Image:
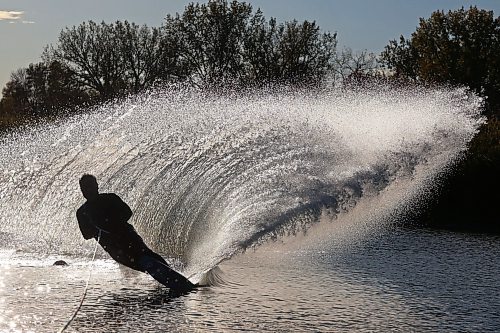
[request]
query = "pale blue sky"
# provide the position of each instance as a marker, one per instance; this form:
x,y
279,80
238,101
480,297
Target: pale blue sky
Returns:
x,y
26,26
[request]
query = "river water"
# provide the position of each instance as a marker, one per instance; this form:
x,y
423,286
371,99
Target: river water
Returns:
x,y
396,281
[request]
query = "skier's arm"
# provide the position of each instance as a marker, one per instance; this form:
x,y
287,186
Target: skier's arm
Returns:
x,y
87,229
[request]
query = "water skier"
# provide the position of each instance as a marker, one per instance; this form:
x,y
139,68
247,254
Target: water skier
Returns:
x,y
104,217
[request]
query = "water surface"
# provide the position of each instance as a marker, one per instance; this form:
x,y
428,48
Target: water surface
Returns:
x,y
397,281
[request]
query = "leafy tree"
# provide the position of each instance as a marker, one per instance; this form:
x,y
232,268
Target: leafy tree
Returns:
x,y
458,47
16,93
305,54
289,52
92,52
41,90
110,59
63,89
220,42
401,57
260,49
146,54
210,39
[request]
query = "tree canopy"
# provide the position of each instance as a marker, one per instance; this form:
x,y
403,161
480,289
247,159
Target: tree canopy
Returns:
x,y
110,58
42,87
209,44
458,47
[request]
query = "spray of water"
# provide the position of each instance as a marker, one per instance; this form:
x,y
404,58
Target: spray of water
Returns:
x,y
209,175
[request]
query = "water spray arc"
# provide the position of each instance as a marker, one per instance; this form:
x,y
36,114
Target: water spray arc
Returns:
x,y
210,175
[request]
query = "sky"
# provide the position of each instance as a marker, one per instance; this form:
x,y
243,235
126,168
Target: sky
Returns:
x,y
27,26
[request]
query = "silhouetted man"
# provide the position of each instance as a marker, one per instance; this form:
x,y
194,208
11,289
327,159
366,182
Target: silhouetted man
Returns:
x,y
104,216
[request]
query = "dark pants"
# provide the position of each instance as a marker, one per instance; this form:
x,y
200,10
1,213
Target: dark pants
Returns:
x,y
128,249
164,274
131,251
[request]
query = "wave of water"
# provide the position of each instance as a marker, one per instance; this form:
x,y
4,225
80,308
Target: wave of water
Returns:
x,y
208,175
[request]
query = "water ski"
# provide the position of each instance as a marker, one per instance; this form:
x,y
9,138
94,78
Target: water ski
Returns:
x,y
166,275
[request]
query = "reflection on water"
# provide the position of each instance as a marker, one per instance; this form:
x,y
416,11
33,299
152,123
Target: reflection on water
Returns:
x,y
419,281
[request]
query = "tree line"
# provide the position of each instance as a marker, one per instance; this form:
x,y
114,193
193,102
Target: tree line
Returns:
x,y
216,43
460,47
221,43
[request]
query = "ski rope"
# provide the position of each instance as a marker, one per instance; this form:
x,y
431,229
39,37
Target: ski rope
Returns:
x,y
86,286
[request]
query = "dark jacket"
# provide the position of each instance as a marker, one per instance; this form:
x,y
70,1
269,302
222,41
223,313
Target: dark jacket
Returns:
x,y
110,214
106,212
